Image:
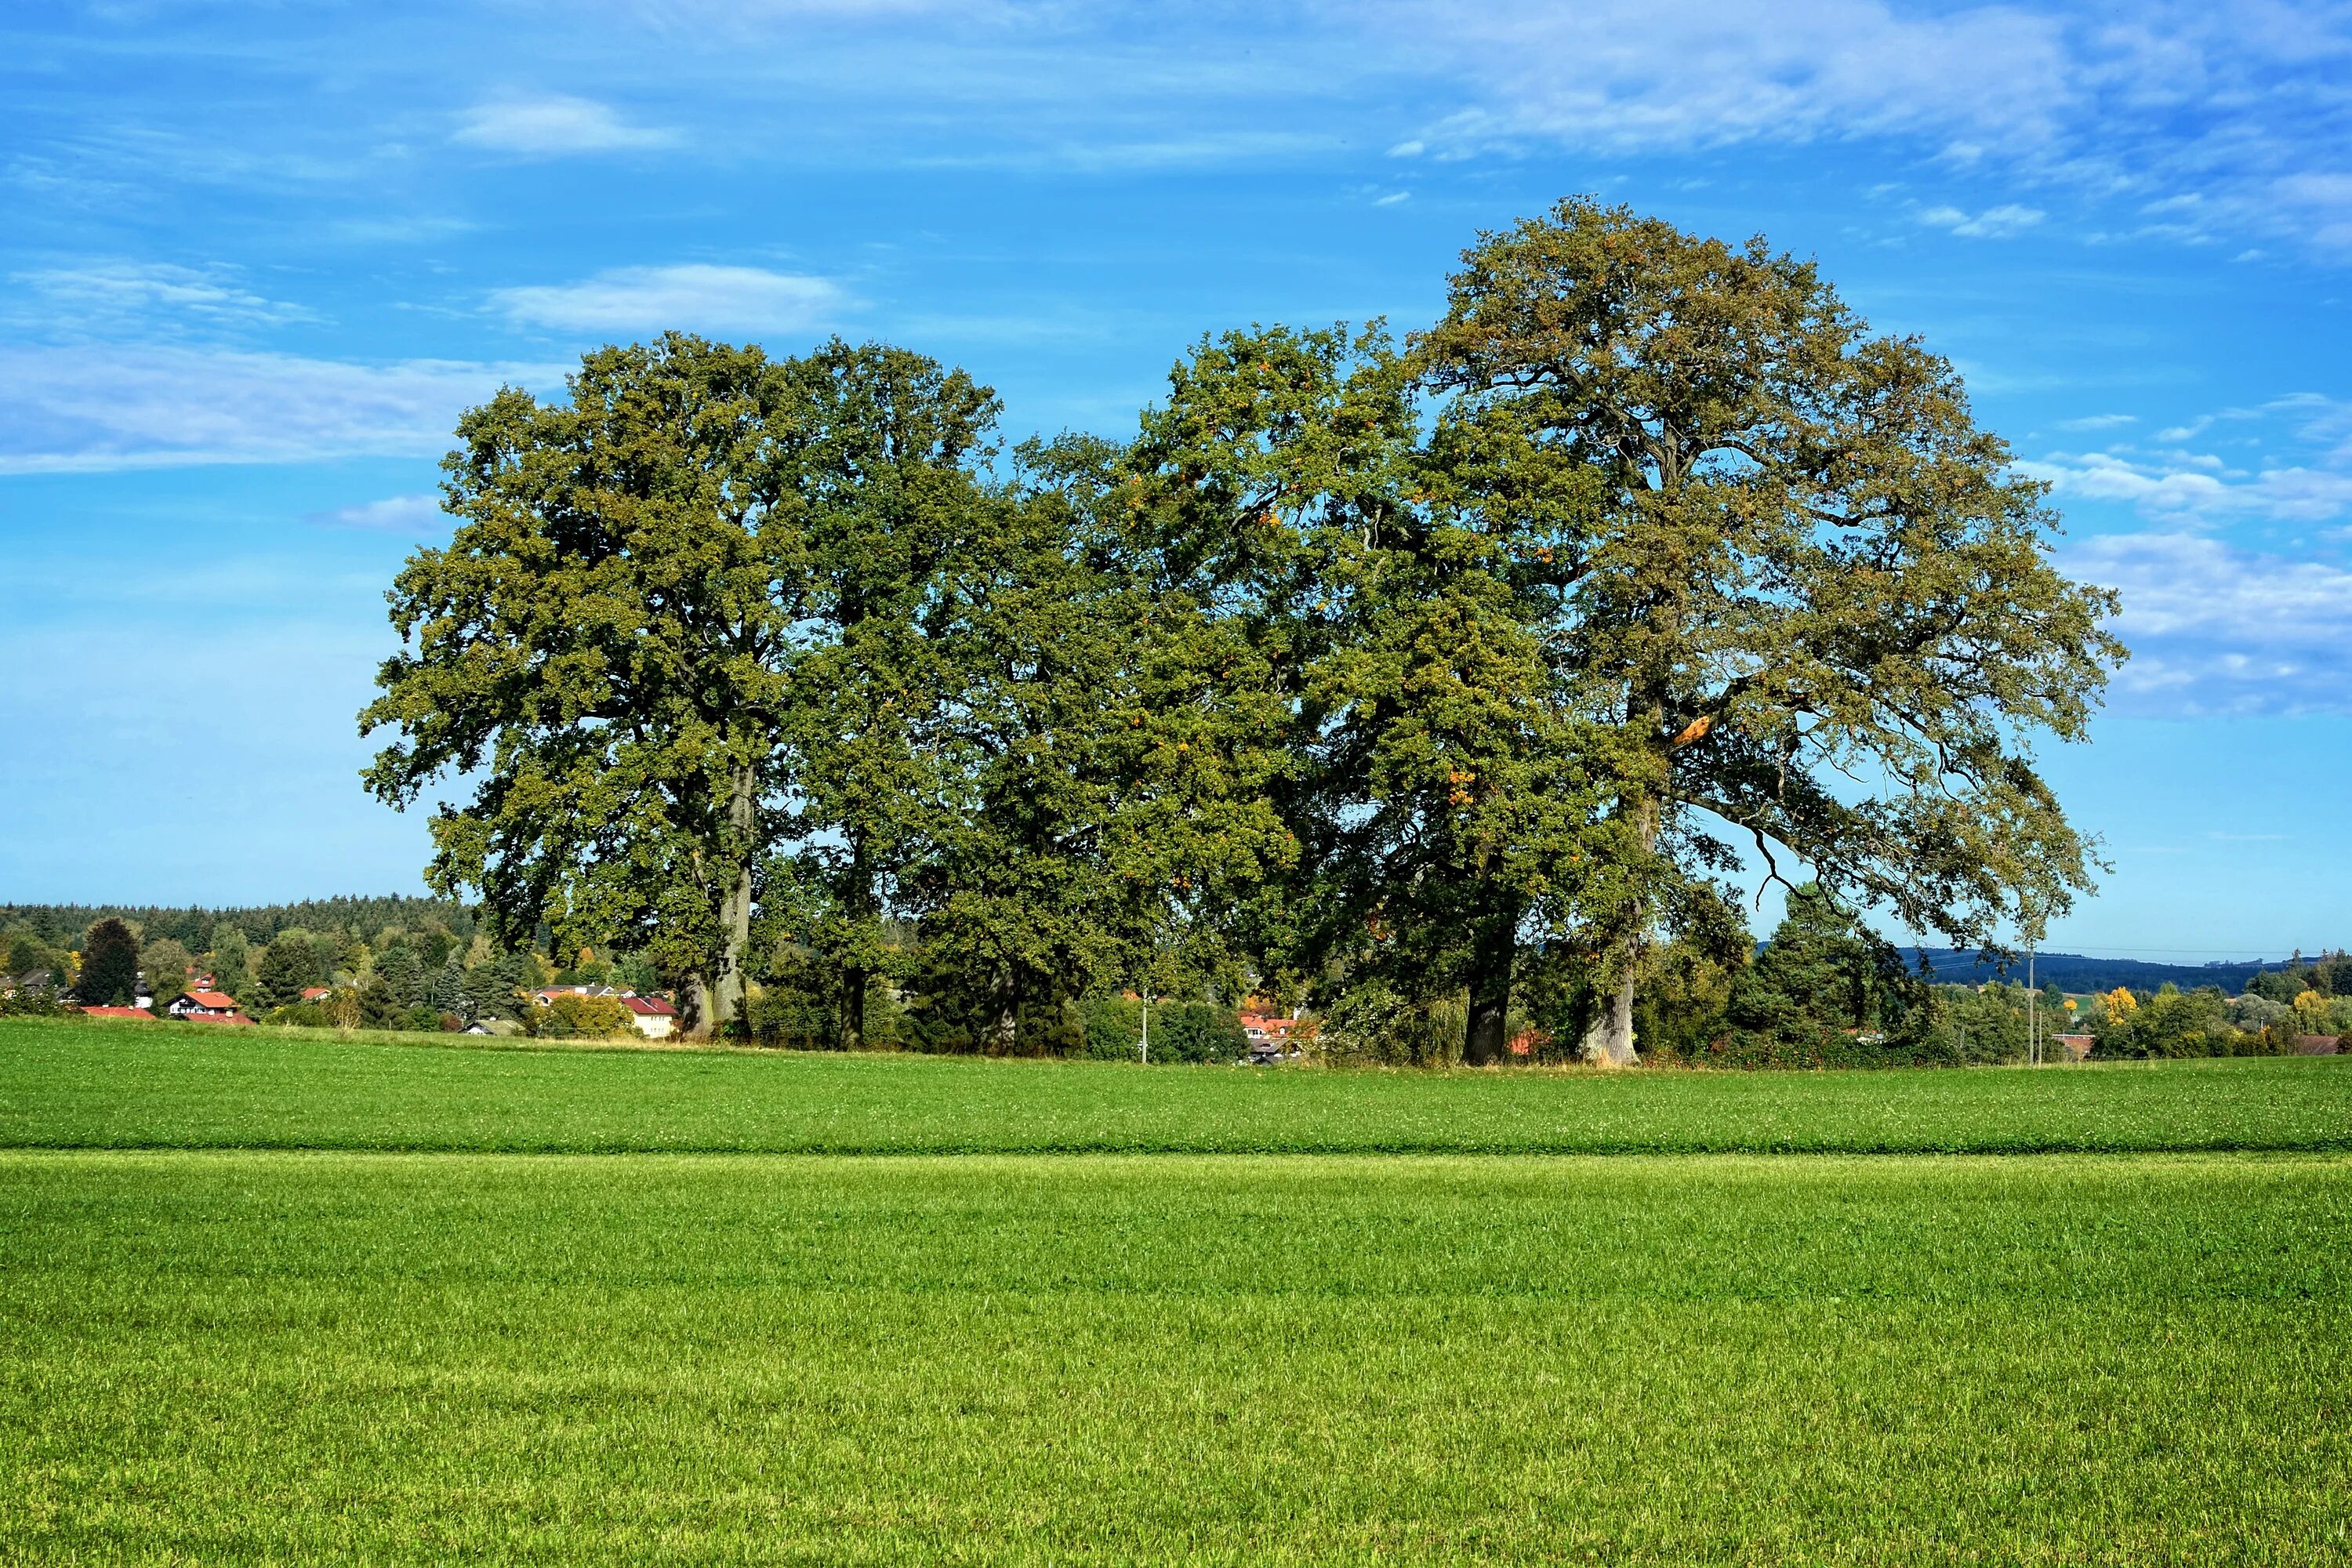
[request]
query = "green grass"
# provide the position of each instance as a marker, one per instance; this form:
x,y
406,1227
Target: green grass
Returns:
x,y
239,1324
69,1085
234,1357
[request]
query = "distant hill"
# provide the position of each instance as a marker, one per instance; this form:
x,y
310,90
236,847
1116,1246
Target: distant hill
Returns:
x,y
363,914
2074,971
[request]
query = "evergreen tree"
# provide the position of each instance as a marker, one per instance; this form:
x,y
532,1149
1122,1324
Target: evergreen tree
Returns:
x,y
229,958
288,966
400,975
109,965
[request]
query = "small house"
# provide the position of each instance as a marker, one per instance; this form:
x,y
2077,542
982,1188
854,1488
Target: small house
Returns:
x,y
654,1014
207,1007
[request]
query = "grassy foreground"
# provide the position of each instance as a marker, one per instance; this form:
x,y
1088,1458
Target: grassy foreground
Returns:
x,y
154,1086
273,1299
224,1356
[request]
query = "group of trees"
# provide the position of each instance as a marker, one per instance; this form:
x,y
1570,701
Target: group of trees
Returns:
x,y
2279,1011
386,963
1459,672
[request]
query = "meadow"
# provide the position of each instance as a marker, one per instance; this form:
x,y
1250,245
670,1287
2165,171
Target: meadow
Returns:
x,y
285,1300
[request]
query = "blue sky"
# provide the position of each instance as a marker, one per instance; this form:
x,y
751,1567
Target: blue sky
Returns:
x,y
256,258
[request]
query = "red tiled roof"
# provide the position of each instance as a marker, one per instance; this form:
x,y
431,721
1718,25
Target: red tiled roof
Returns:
x,y
213,999
652,1007
312,993
120,1013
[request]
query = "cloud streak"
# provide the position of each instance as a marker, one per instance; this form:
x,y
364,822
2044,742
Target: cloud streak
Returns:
x,y
2287,461
692,297
2215,629
555,126
89,410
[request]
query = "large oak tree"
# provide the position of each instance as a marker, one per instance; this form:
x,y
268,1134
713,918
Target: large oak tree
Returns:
x,y
1806,589
651,627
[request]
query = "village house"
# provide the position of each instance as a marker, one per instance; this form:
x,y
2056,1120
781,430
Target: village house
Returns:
x,y
654,1015
207,1007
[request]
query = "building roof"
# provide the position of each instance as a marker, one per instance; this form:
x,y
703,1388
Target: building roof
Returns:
x,y
217,1001
651,1006
120,1013
312,993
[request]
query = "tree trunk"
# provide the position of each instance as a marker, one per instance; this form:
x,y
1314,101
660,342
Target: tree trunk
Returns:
x,y
854,981
1610,1042
1487,1042
694,1006
1008,1013
856,977
727,990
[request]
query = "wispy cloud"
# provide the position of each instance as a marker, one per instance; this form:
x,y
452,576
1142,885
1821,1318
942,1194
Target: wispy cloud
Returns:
x,y
2216,630
1649,75
2177,121
693,297
410,514
85,409
2285,461
555,126
1994,223
109,296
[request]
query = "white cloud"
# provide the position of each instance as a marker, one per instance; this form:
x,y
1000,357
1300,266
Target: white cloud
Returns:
x,y
111,295
2193,121
2099,422
1668,74
555,126
2288,461
692,298
1994,223
90,409
1392,198
2216,630
395,514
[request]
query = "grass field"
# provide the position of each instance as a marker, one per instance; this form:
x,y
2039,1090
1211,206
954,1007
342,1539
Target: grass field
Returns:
x,y
197,1086
278,1341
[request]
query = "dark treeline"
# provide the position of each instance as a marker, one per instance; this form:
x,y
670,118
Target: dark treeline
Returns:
x,y
194,927
2076,972
1440,684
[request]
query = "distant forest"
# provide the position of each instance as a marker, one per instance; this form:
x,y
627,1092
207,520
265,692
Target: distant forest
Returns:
x,y
366,918
2075,972
196,928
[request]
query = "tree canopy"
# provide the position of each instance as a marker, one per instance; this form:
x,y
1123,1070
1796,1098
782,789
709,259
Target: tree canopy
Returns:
x,y
1477,666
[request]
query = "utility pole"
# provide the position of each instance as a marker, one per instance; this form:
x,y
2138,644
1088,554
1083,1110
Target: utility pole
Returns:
x,y
2032,1013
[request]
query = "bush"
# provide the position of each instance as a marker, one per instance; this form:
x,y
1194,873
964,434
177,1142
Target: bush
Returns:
x,y
30,1002
1181,1032
577,1017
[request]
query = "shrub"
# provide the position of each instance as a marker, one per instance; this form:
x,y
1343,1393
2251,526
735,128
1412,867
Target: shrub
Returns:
x,y
579,1017
1181,1032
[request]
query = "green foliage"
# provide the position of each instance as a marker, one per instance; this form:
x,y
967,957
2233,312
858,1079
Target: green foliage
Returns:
x,y
571,1016
2177,1023
1181,1031
289,965
109,965
229,959
164,961
1786,558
